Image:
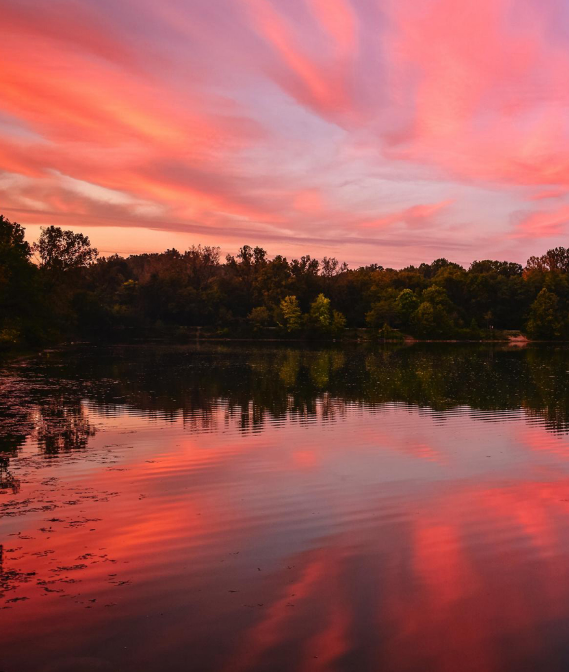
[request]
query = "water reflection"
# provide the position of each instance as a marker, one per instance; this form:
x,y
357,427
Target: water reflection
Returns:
x,y
8,482
59,427
255,509
267,384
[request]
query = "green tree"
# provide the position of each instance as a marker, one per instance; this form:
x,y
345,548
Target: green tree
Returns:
x,y
431,320
407,303
386,333
338,323
424,321
545,321
384,307
259,318
291,313
320,316
437,297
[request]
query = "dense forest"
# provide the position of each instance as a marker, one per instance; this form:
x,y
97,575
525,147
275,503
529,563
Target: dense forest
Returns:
x,y
60,289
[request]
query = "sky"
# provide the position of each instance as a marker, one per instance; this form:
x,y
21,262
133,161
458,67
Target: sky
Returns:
x,y
376,131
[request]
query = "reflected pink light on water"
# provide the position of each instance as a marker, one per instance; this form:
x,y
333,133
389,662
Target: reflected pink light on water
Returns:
x,y
364,539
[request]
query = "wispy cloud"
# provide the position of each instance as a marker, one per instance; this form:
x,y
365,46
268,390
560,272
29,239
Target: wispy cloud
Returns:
x,y
276,120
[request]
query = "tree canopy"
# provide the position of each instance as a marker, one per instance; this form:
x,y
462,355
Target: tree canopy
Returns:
x,y
61,250
71,292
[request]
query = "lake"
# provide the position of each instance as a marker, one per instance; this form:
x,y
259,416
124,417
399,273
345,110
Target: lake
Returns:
x,y
239,507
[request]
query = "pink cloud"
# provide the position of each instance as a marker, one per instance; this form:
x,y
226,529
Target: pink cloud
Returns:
x,y
309,201
278,120
413,217
319,85
480,75
338,18
547,194
543,224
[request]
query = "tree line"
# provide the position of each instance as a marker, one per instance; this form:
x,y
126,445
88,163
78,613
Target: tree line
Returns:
x,y
59,288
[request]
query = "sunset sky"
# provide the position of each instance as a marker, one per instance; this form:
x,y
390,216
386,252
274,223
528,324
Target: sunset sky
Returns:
x,y
387,131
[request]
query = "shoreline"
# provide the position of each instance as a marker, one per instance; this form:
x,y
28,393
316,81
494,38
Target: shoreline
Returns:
x,y
23,355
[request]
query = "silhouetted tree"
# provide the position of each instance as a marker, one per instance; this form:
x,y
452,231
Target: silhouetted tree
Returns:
x,y
61,250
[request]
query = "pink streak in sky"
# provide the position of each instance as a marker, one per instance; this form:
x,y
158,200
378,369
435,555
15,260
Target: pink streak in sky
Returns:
x,y
387,131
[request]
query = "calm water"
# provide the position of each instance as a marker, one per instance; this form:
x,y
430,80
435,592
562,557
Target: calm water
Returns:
x,y
272,509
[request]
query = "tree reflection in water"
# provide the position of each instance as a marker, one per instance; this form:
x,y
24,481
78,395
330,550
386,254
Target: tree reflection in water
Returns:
x,y
378,538
47,400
